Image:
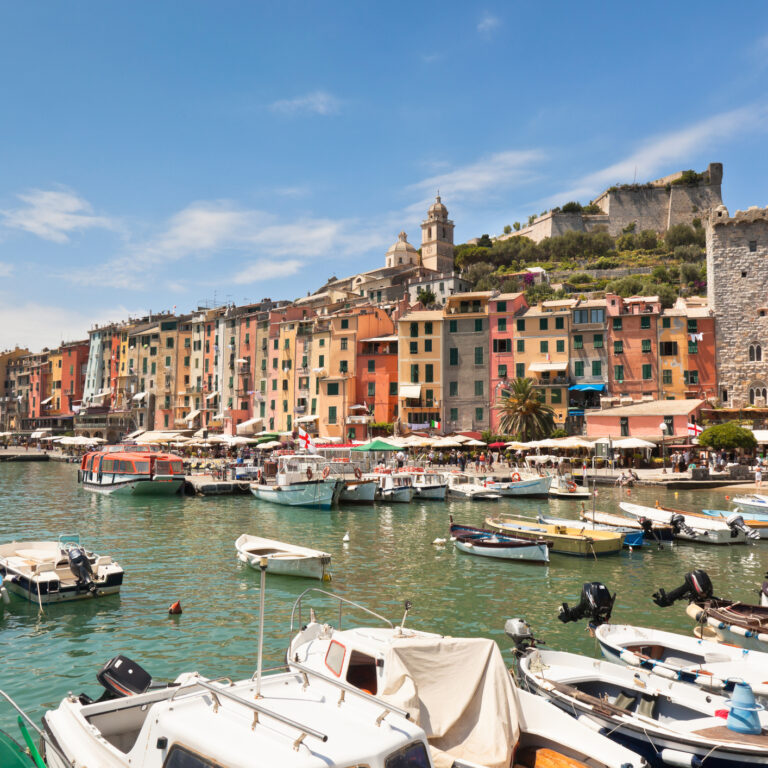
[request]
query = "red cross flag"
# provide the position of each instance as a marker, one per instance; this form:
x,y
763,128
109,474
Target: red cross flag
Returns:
x,y
305,440
694,429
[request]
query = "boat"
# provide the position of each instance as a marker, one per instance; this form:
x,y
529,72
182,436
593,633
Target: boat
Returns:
x,y
57,571
395,488
666,721
630,537
564,487
283,559
429,485
302,480
757,521
458,689
724,621
517,485
753,504
132,470
358,492
576,540
692,527
485,543
469,487
656,531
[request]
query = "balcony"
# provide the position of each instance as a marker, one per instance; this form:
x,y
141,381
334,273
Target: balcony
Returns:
x,y
555,381
420,402
364,419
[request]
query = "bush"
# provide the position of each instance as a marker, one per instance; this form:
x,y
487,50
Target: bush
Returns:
x,y
605,263
510,285
646,240
682,234
626,242
484,242
591,209
690,177
572,207
728,436
580,278
507,229
660,274
689,273
689,253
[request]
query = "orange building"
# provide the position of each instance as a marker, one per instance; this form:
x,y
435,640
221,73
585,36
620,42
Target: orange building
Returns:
x,y
377,377
74,363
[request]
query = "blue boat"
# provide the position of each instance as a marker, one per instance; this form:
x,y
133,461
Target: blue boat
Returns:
x,y
630,537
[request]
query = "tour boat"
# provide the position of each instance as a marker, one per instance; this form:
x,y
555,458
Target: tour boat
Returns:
x,y
303,480
132,471
358,492
57,571
565,488
533,485
282,559
753,503
630,537
470,487
656,531
396,488
485,543
458,689
429,485
690,526
575,539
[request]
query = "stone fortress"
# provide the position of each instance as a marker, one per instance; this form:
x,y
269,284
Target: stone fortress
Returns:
x,y
656,205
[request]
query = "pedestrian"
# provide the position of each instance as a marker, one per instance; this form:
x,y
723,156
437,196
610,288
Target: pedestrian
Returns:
x,y
400,457
758,476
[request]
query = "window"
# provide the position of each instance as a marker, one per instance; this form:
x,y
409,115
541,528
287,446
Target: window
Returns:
x,y
343,366
413,347
179,757
285,406
521,345
578,369
666,376
478,324
755,353
501,306
618,373
322,342
647,371
752,246
556,396
429,372
691,377
693,325
645,322
371,389
453,326
502,345
520,323
502,324
478,414
478,388
597,368
454,414
624,426
646,345
597,340
427,329
502,374
693,347
616,323
333,388
344,342
560,345
559,323
578,342
414,330
332,414
414,374
344,323
320,361
597,315
668,348
371,366
543,347
543,323
429,395
453,356
478,355
392,389
580,316
618,347
665,322
428,345
453,389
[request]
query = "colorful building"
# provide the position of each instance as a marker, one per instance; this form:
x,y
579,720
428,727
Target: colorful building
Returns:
x,y
652,420
377,377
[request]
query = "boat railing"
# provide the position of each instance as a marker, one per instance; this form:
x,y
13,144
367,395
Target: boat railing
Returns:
x,y
217,692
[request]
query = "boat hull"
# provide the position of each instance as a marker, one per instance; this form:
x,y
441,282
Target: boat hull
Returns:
x,y
579,545
716,626
706,530
397,495
314,494
282,559
358,492
159,486
630,537
535,487
434,492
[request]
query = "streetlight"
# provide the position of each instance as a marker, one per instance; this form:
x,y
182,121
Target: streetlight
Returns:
x,y
663,427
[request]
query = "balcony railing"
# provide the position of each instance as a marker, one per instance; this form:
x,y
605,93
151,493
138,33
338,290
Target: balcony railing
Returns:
x,y
551,382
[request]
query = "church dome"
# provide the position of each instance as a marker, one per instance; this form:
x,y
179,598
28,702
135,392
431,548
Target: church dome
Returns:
x,y
402,252
437,210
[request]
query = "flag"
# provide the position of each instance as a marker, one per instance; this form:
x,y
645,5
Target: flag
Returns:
x,y
694,429
434,424
306,442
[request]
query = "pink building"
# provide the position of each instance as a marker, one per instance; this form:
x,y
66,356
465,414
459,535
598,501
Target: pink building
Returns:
x,y
502,310
645,420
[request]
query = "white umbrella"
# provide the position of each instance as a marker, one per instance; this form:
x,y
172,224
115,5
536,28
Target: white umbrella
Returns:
x,y
517,445
633,442
269,446
447,442
460,438
474,443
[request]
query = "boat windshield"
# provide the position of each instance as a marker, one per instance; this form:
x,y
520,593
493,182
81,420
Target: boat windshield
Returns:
x,y
412,756
142,467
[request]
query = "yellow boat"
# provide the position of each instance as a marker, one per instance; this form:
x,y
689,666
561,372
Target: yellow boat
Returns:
x,y
578,540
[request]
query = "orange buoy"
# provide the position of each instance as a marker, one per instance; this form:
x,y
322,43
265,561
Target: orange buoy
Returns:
x,y
175,608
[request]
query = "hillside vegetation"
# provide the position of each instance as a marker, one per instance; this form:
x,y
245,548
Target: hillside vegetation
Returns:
x,y
669,266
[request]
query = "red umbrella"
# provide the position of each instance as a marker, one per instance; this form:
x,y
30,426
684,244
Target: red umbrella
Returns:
x,y
497,445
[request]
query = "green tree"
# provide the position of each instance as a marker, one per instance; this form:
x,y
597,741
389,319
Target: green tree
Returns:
x,y
682,234
484,241
507,229
426,297
689,253
728,436
689,273
571,207
522,412
516,226
646,240
625,242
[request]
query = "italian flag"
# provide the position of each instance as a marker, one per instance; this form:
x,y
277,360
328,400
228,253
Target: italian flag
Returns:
x,y
434,424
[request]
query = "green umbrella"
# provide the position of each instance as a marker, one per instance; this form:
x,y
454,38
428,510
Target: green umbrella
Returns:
x,y
376,445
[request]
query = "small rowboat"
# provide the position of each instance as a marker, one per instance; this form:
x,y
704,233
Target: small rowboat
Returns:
x,y
563,539
658,532
283,559
631,537
756,504
485,543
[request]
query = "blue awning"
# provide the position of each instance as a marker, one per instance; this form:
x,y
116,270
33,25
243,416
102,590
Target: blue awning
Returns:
x,y
587,387
575,412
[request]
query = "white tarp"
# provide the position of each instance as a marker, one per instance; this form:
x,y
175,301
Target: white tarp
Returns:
x,y
476,720
412,391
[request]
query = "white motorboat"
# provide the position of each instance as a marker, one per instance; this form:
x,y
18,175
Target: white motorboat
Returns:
x,y
458,689
692,527
756,502
302,480
566,488
654,531
358,492
517,485
393,487
429,485
669,722
281,558
57,571
470,487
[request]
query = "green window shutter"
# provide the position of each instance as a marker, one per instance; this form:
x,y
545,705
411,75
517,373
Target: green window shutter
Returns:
x,y
392,388
578,369
560,345
543,347
647,371
479,414
693,325
453,356
371,366
520,370
414,330
371,389
333,388
559,323
597,340
645,322
618,347
543,323
478,324
521,345
332,414
314,404
597,368
478,355
578,342
617,323
414,374
520,324
427,329
454,414
428,345
453,326
693,347
501,306
414,347
453,389
502,324
556,396
666,376
502,372
429,372
618,373
478,388
344,324
665,322
646,345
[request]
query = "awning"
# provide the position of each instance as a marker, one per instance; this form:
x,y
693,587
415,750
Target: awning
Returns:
x,y
358,407
318,370
139,396
212,395
249,426
46,401
539,367
135,434
410,390
381,338
192,415
306,419
587,388
242,360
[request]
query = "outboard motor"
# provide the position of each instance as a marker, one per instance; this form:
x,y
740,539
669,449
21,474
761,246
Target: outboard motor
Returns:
x,y
80,566
677,521
736,523
520,632
596,604
120,677
697,588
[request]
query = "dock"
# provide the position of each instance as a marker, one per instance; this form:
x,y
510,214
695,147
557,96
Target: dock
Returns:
x,y
24,456
208,485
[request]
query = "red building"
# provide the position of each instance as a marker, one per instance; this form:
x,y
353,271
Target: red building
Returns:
x,y
74,363
377,378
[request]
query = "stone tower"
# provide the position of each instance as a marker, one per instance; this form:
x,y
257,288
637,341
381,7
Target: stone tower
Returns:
x,y
437,239
402,253
737,291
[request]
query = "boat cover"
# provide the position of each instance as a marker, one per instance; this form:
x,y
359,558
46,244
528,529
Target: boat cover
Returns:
x,y
475,720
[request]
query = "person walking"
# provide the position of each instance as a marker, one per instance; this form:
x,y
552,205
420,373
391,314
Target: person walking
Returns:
x,y
758,476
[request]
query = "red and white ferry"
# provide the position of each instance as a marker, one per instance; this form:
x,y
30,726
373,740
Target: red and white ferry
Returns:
x,y
132,470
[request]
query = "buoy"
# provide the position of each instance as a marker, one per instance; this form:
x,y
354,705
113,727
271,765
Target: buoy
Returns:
x,y
727,498
743,717
675,494
175,608
438,542
631,550
346,537
629,493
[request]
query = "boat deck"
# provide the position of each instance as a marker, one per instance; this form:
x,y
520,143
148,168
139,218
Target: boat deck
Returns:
x,y
722,733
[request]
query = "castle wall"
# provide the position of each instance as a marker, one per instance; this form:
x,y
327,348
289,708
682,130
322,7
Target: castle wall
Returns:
x,y
737,291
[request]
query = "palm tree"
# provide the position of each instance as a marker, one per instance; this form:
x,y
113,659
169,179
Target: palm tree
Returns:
x,y
524,414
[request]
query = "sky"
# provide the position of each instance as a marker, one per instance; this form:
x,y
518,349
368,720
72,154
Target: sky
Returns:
x,y
179,154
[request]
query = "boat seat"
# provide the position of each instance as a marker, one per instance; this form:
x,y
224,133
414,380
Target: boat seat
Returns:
x,y
532,757
624,701
647,706
677,661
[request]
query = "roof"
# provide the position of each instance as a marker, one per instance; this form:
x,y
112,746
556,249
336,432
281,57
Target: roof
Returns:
x,y
653,408
472,295
507,296
422,314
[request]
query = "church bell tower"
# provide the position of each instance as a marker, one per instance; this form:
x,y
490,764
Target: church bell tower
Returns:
x,y
437,239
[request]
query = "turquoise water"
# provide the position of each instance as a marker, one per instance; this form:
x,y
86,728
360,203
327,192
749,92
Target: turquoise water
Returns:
x,y
182,548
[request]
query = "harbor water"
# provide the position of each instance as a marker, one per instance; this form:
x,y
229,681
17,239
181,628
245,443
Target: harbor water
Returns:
x,y
182,548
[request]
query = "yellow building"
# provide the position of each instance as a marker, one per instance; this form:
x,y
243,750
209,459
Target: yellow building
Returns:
x,y
319,366
673,344
56,360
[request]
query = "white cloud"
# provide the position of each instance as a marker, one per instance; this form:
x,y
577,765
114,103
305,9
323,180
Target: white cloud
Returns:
x,y
266,269
5,269
488,23
668,152
314,103
53,215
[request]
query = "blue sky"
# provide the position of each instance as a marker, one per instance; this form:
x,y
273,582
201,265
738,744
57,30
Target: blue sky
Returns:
x,y
160,154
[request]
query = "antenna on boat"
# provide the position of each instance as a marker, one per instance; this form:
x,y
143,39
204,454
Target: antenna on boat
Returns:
x,y
408,605
263,567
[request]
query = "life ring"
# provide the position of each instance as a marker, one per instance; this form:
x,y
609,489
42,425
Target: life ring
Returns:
x,y
309,473
358,473
326,472
516,477
571,486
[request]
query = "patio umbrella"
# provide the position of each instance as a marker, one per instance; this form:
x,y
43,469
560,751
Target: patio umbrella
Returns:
x,y
474,443
376,445
633,442
449,442
516,445
497,445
